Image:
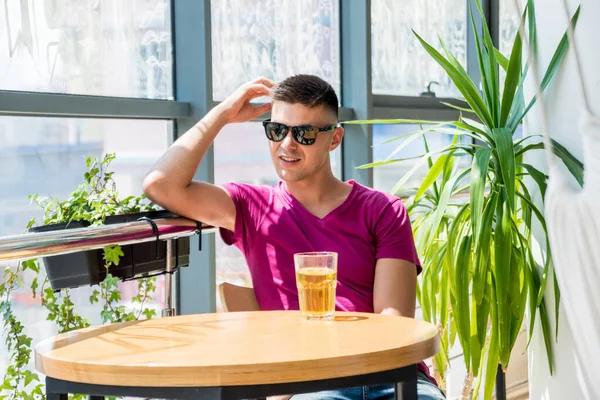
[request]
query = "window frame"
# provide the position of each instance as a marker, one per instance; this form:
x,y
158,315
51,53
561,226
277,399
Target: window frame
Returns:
x,y
192,90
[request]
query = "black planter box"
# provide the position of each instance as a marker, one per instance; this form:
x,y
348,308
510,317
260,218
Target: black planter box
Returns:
x,y
86,268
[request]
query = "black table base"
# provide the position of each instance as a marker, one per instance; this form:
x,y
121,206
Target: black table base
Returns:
x,y
404,379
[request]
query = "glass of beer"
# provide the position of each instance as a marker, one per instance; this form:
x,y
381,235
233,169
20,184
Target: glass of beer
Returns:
x,y
316,279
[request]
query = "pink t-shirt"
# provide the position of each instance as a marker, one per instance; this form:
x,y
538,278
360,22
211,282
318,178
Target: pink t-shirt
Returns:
x,y
271,226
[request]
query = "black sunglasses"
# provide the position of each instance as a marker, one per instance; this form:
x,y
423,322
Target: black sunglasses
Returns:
x,y
303,134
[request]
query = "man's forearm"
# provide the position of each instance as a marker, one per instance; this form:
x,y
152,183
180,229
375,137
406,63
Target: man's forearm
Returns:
x,y
177,166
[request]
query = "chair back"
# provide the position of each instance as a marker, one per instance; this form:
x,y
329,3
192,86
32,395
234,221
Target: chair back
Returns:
x,y
237,298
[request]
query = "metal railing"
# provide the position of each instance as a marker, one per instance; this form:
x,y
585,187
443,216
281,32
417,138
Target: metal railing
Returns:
x,y
66,241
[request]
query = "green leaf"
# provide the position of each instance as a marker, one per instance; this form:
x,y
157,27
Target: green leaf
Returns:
x,y
450,57
106,316
483,68
556,302
406,142
491,73
423,159
34,286
479,170
533,291
506,157
30,264
501,271
436,192
426,307
482,251
514,284
476,347
502,60
530,9
539,177
442,205
461,306
556,60
445,293
113,254
29,377
479,133
483,316
387,162
454,106
389,121
493,354
560,52
448,169
462,82
453,236
573,164
31,223
432,175
527,199
513,77
546,331
516,113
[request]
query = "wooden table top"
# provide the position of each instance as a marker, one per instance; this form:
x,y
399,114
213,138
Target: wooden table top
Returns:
x,y
229,349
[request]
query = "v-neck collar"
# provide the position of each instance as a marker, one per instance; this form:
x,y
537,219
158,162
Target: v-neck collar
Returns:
x,y
294,203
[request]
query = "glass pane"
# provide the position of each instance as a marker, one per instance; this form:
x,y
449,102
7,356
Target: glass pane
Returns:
x,y
250,163
94,47
510,18
400,65
50,160
386,176
276,39
509,26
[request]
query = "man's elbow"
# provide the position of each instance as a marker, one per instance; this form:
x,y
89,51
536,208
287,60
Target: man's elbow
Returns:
x,y
154,187
390,311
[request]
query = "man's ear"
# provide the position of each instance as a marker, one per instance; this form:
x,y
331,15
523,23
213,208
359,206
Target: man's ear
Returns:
x,y
336,139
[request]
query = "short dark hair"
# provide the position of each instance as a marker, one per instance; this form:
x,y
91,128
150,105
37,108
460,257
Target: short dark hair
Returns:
x,y
308,90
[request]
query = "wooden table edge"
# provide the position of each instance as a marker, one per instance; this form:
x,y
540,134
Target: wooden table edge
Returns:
x,y
238,375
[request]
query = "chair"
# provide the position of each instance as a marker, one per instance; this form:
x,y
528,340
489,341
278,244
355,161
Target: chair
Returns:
x,y
237,298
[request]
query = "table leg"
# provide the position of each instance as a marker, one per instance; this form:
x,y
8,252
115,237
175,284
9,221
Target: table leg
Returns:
x,y
169,311
407,389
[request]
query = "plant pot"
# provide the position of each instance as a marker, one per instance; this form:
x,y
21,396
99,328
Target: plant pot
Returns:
x,y
85,268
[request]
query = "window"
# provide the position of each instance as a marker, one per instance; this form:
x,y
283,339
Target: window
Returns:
x,y
400,65
242,156
276,39
104,47
50,160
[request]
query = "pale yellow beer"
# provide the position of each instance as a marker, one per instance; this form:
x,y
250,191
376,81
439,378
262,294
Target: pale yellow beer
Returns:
x,y
316,292
316,280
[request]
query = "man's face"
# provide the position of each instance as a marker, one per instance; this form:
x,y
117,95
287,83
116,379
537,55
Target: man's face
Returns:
x,y
294,161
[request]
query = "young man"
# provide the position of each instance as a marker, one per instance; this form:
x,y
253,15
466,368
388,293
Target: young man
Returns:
x,y
309,210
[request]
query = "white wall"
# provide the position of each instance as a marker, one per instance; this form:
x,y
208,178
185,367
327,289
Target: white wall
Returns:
x,y
564,104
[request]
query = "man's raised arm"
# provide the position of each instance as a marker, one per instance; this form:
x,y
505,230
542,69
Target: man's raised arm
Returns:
x,y
170,182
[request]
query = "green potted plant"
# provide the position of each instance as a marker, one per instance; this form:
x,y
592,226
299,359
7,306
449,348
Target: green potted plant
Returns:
x,y
481,270
95,202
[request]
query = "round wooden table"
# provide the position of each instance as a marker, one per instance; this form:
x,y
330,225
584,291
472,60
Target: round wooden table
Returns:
x,y
235,355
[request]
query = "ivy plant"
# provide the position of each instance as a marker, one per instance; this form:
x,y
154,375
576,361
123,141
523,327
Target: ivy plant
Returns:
x,y
94,200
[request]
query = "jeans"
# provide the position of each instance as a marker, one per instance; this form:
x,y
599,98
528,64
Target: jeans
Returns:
x,y
426,390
